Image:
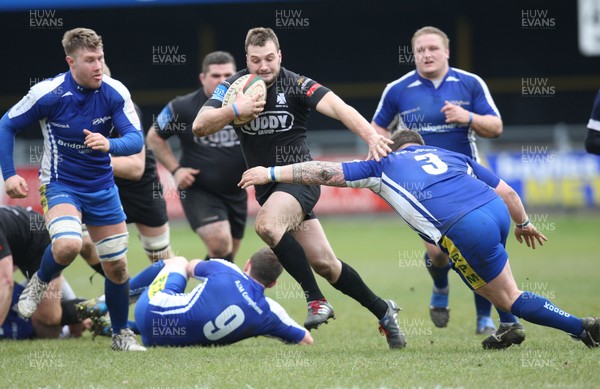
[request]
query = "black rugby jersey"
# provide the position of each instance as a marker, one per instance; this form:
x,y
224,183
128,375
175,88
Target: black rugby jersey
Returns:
x,y
22,232
218,156
278,135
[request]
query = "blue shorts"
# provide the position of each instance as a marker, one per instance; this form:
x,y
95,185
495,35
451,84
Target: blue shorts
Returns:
x,y
476,243
165,283
101,208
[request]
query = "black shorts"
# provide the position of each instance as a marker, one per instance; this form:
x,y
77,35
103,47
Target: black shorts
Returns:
x,y
202,207
144,203
307,196
30,263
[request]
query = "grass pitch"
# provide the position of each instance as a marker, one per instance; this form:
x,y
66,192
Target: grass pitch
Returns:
x,y
349,352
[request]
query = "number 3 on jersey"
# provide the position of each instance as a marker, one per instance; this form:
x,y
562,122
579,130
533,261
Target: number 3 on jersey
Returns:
x,y
434,165
227,321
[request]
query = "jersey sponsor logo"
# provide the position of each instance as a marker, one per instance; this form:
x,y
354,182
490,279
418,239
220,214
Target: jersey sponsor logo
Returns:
x,y
77,146
459,102
219,93
247,297
224,138
101,120
281,99
59,125
435,129
67,94
269,122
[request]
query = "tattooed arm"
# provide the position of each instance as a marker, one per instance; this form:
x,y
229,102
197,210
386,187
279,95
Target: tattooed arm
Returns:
x,y
305,173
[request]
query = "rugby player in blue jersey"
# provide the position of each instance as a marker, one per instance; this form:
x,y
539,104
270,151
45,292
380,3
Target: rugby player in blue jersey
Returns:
x,y
228,306
448,107
461,207
76,110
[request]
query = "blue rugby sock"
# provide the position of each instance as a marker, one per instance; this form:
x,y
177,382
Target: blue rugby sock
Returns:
x,y
438,274
117,302
482,306
506,317
49,268
538,310
140,282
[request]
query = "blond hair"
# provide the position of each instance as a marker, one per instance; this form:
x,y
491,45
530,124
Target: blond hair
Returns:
x,y
431,30
81,38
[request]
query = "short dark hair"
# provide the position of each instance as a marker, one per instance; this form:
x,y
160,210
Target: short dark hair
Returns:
x,y
217,58
259,36
265,267
402,137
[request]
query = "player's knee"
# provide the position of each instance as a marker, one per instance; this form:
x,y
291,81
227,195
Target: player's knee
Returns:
x,y
113,248
116,271
219,247
66,234
267,231
439,259
157,247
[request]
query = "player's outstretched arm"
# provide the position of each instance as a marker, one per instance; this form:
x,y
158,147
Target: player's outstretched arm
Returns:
x,y
304,173
334,107
380,130
308,340
524,229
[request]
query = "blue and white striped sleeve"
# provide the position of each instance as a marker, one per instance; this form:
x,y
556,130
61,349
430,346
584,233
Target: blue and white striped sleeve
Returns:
x,y
363,174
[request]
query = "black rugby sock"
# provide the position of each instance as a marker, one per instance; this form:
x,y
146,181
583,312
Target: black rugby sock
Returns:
x,y
98,268
228,257
352,285
292,257
69,312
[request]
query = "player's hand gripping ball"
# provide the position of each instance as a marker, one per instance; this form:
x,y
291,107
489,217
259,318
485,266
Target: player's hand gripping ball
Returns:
x,y
251,85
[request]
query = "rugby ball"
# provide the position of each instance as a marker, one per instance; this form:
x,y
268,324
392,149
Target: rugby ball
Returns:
x,y
250,85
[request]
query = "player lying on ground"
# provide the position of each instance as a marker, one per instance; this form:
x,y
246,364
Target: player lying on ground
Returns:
x,y
56,316
459,207
227,307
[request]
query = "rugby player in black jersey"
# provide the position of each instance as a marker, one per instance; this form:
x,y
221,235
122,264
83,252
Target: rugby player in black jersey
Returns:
x,y
23,240
210,166
277,136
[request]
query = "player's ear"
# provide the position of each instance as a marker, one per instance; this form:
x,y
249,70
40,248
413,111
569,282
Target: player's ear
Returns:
x,y
247,266
70,60
201,77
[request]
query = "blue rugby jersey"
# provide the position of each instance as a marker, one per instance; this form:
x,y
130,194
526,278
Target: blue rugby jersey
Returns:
x,y
64,109
414,103
14,326
228,307
431,188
